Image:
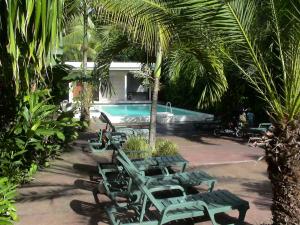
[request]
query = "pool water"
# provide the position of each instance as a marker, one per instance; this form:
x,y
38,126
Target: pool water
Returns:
x,y
140,110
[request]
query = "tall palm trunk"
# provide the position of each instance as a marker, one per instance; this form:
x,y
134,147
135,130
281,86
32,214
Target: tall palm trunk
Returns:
x,y
85,88
283,158
153,114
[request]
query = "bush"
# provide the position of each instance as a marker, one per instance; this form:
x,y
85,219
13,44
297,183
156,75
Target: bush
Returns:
x,y
165,147
7,208
39,134
137,147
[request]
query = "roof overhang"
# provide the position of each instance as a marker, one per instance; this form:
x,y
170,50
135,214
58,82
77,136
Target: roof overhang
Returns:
x,y
126,66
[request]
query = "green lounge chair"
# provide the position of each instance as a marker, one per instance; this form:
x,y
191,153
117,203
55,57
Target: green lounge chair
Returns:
x,y
174,208
261,129
107,140
162,163
123,129
186,179
119,184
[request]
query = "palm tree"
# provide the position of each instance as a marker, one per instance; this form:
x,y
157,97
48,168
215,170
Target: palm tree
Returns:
x,y
268,35
155,25
73,9
138,18
72,40
202,70
29,39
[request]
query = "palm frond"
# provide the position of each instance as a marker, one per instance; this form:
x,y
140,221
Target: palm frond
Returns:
x,y
147,22
33,29
202,68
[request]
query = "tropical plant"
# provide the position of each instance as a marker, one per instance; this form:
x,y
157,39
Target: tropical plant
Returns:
x,y
30,37
74,9
271,63
73,36
201,69
164,147
38,134
155,25
7,208
137,147
139,20
113,42
31,31
57,83
115,46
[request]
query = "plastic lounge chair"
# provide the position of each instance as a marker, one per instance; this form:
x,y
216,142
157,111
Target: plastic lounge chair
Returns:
x,y
119,184
174,208
123,129
193,178
257,132
261,129
162,163
107,140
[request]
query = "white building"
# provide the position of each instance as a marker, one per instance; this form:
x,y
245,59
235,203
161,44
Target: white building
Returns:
x,y
127,88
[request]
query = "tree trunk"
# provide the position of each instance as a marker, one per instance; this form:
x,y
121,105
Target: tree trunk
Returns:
x,y
85,99
153,113
283,158
152,134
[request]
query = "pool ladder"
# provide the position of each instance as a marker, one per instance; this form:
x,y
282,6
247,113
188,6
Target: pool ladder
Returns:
x,y
168,104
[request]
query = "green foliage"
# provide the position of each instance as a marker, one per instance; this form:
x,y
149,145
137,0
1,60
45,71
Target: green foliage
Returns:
x,y
30,31
165,147
58,83
7,208
73,37
196,71
38,134
137,147
113,42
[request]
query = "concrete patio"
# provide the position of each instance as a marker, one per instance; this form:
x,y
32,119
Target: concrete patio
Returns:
x,y
62,193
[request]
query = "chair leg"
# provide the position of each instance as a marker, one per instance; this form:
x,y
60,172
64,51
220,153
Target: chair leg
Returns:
x,y
183,167
211,186
212,218
95,194
242,215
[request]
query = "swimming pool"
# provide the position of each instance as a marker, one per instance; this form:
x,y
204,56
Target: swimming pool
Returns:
x,y
141,113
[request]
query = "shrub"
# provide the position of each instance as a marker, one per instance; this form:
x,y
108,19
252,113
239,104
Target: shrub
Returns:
x,y
165,147
39,134
137,147
7,208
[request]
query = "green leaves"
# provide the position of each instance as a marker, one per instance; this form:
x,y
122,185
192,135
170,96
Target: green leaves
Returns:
x,y
147,22
32,34
39,133
201,68
7,195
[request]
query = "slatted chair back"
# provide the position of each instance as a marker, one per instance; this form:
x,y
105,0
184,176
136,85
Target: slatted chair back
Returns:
x,y
138,179
104,118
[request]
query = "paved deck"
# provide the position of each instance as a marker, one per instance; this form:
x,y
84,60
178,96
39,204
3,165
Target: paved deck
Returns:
x,y
62,193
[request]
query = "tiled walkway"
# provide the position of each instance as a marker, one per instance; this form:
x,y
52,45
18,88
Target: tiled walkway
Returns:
x,y
62,193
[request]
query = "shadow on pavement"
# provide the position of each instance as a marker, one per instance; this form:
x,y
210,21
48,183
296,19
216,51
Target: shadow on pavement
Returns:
x,y
193,133
85,184
263,189
40,195
95,212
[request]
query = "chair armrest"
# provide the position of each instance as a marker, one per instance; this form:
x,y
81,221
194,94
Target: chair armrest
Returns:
x,y
94,140
120,126
167,188
199,204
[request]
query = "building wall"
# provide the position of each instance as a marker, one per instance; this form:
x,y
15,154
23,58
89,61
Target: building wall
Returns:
x,y
135,90
117,79
120,79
